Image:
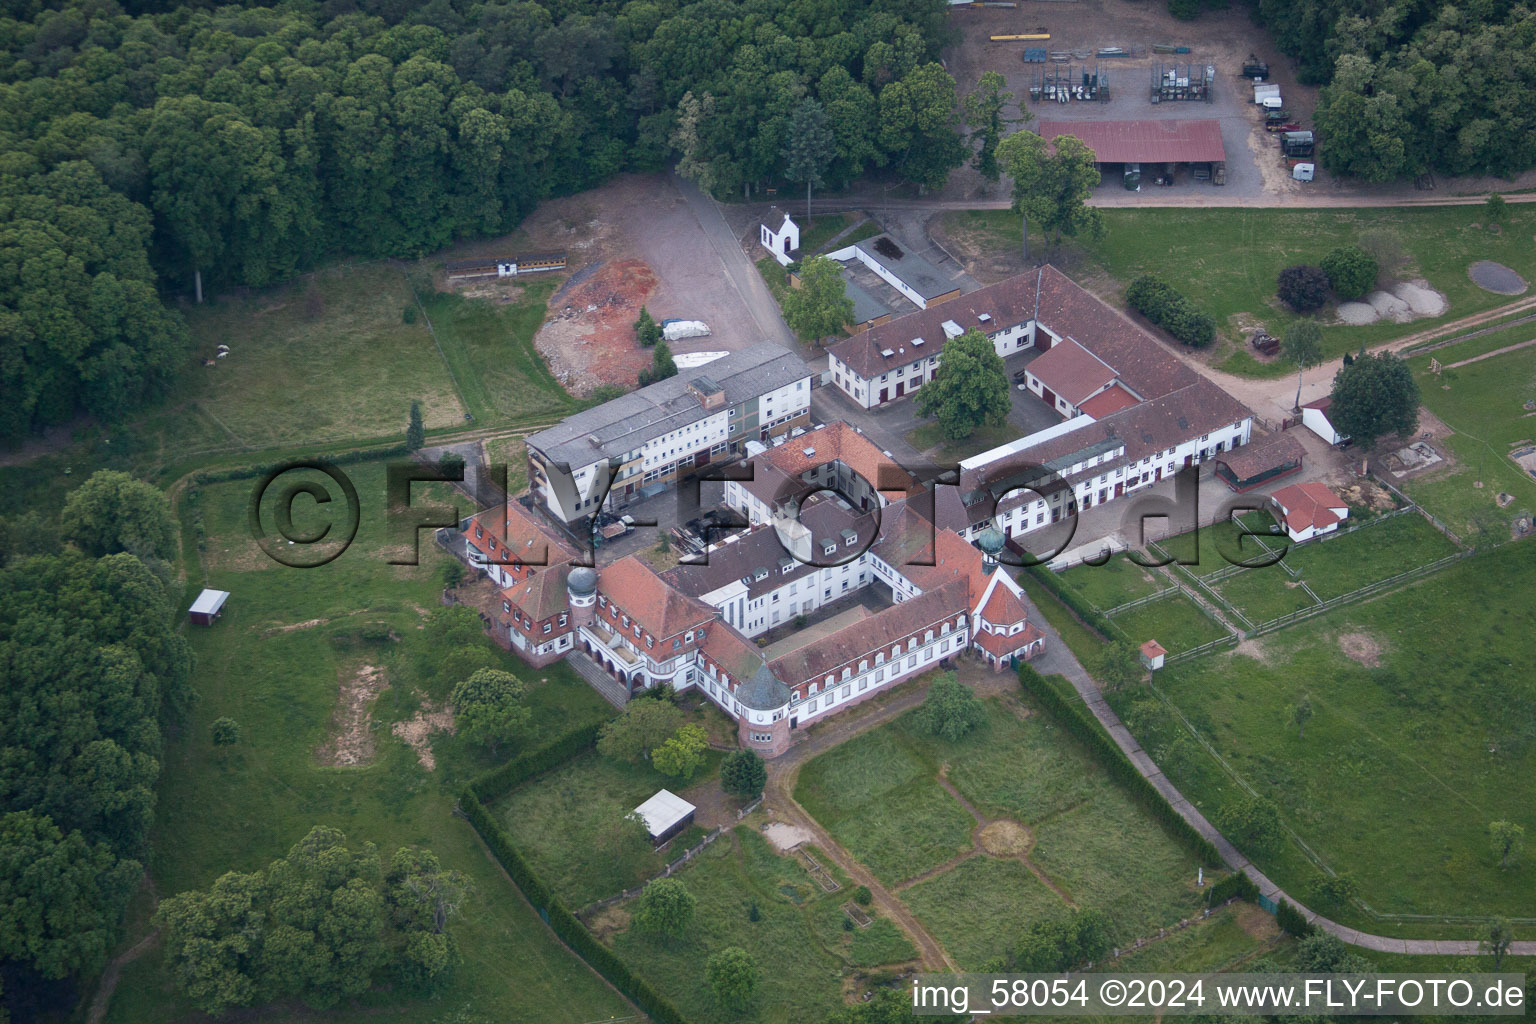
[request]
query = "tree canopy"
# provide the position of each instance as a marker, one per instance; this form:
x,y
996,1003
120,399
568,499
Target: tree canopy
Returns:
x,y
488,707
635,734
743,773
665,907
733,976
93,665
820,306
113,512
1052,182
1375,395
236,144
1351,271
318,925
950,710
969,390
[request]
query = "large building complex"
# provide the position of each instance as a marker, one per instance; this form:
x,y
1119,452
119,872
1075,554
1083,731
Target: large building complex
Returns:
x,y
1131,412
637,445
837,531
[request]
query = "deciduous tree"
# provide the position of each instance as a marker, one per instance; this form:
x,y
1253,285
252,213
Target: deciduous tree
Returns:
x,y
820,306
1375,395
1303,288
950,710
1303,345
984,116
970,388
1051,184
682,754
1252,823
113,512
1507,840
1495,941
225,732
1119,665
415,432
665,907
1351,271
488,707
635,734
1301,715
733,977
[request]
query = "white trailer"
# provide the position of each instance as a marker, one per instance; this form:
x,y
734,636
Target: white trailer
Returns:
x,y
1261,93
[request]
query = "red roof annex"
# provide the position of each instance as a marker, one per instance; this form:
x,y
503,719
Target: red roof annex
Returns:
x,y
1308,505
1144,142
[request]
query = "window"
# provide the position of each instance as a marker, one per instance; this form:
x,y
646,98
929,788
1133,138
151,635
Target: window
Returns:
x,y
546,628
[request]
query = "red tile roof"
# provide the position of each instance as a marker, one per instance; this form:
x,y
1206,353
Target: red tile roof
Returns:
x,y
1000,646
1309,505
1110,400
1262,454
1003,608
660,609
543,595
837,442
1146,142
1072,371
1153,649
519,536
867,637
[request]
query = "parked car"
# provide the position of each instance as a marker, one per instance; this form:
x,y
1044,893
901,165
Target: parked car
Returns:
x,y
1289,126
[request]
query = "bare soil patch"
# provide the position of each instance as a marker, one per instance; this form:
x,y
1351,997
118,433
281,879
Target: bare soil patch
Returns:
x,y
418,729
1361,648
1364,493
1254,649
609,922
785,837
351,741
295,627
1253,920
1004,838
589,338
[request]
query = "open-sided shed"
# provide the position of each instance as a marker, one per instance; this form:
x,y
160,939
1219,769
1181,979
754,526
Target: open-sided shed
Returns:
x,y
1195,142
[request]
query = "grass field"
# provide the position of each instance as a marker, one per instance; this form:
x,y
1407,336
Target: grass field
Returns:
x,y
1114,583
1088,838
556,820
853,789
329,360
1423,733
1226,260
1174,621
274,663
801,949
1484,402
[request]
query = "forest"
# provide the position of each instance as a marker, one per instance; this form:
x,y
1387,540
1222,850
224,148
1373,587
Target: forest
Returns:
x,y
1416,87
160,149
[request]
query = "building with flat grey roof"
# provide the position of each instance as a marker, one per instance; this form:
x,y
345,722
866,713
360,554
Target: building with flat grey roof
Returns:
x,y
637,445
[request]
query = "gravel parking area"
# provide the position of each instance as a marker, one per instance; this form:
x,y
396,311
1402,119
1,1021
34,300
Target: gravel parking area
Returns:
x,y
1222,38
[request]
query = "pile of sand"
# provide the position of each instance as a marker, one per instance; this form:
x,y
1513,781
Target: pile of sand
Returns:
x,y
1357,313
1390,307
1421,298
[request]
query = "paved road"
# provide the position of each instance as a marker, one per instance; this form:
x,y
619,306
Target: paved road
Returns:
x,y
1059,659
742,275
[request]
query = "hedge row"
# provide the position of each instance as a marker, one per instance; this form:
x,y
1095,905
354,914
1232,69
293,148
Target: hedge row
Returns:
x,y
1292,921
564,923
219,476
1091,616
1161,303
1236,884
499,780
1080,723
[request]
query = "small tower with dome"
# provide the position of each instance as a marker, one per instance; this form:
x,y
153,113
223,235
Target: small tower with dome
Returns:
x,y
581,589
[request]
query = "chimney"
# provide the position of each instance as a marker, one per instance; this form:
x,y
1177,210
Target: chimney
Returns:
x,y
710,394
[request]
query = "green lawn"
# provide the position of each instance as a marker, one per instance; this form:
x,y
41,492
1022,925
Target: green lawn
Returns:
x,y
929,439
1419,739
1174,621
982,907
1114,583
798,941
1089,838
1213,548
855,789
1226,260
1363,556
1484,402
240,810
556,820
1264,594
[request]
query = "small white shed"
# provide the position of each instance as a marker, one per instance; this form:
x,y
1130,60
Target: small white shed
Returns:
x,y
780,235
665,815
207,607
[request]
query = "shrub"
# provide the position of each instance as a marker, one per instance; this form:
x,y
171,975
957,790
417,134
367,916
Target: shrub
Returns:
x,y
1160,303
409,314
743,773
1292,921
862,896
1303,288
1252,823
1351,270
